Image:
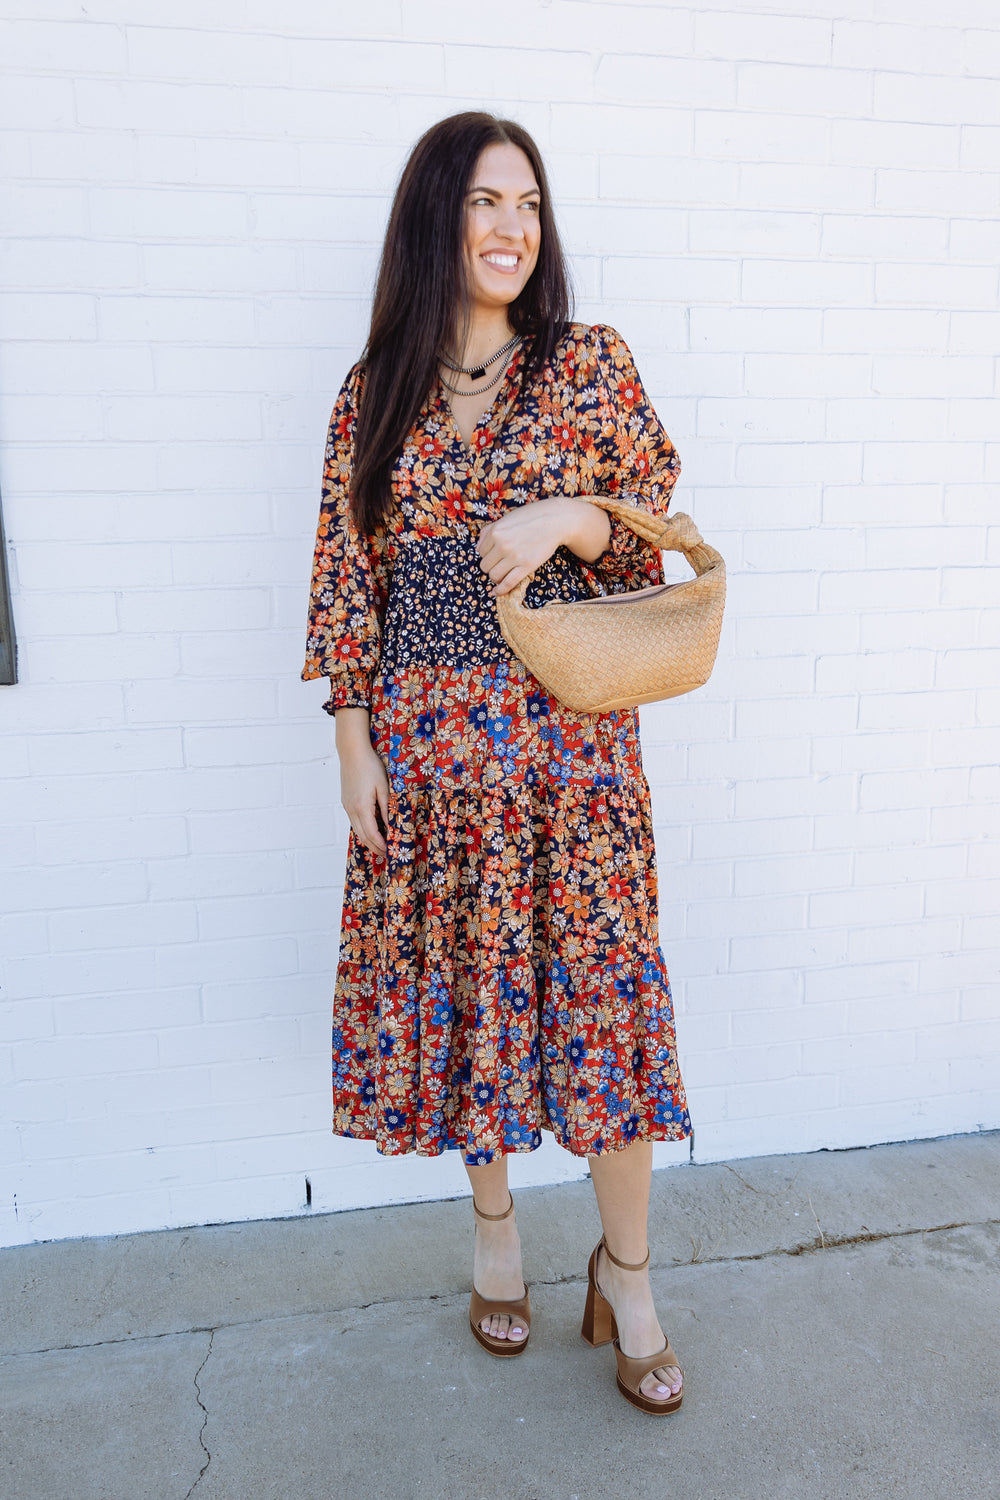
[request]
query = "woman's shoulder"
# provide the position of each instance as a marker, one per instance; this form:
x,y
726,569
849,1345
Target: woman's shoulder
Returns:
x,y
350,390
592,340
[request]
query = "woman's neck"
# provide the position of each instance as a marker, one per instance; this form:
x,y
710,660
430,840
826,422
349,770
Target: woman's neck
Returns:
x,y
488,332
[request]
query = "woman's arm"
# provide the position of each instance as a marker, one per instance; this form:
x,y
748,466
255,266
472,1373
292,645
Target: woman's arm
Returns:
x,y
350,577
520,541
624,453
364,784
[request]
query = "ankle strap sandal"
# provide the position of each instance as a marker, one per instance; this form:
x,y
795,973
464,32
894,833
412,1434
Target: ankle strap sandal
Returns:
x,y
600,1327
518,1309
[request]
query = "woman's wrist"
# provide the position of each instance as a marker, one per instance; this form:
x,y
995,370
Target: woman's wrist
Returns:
x,y
588,529
352,729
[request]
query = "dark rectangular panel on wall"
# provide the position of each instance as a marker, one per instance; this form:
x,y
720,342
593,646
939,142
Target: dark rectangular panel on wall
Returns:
x,y
8,650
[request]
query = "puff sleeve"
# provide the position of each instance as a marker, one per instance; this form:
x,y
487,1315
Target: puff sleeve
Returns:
x,y
624,453
350,575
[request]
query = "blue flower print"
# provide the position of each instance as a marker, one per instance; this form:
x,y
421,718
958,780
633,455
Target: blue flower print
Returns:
x,y
625,986
498,729
462,1030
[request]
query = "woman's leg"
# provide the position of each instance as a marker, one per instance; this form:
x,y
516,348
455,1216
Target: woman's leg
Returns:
x,y
621,1181
496,1268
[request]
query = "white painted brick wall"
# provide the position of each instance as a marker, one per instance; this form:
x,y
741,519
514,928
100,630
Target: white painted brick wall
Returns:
x,y
790,211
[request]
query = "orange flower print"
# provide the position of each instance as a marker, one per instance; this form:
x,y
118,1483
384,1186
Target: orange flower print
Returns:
x,y
577,904
498,970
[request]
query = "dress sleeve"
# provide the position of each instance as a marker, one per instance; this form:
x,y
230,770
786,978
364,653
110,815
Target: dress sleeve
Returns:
x,y
350,576
624,453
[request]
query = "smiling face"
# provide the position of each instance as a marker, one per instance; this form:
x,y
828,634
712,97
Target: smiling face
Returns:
x,y
502,228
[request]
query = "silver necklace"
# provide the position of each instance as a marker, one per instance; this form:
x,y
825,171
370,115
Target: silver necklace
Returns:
x,y
489,384
476,372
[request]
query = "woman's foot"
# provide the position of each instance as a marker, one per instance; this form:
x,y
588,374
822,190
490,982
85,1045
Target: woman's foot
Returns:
x,y
496,1273
639,1331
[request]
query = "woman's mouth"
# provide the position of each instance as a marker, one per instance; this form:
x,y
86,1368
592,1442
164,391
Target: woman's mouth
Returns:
x,y
506,264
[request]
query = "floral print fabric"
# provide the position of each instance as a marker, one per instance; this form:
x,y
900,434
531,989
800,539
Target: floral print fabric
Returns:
x,y
499,968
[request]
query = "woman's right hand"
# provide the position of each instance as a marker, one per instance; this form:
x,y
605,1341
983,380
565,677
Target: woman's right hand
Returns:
x,y
364,782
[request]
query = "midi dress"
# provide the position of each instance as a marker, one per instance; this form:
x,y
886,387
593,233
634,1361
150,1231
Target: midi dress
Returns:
x,y
499,969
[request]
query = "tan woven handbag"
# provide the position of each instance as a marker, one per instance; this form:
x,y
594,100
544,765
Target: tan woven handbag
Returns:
x,y
620,650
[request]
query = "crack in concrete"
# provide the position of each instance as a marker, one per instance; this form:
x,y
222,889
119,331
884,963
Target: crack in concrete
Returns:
x,y
821,1242
201,1430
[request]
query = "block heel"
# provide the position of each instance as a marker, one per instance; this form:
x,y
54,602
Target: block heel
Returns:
x,y
599,1327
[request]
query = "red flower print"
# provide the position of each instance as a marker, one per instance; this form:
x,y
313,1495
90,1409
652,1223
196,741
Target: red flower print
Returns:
x,y
628,395
517,911
522,900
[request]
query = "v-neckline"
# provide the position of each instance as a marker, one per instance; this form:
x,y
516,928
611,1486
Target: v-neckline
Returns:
x,y
470,450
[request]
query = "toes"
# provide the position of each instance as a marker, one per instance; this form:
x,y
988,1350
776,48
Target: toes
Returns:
x,y
499,1327
662,1384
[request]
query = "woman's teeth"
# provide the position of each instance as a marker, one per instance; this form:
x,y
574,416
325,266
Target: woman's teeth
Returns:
x,y
509,262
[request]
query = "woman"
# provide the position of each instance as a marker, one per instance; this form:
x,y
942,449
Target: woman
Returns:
x,y
499,967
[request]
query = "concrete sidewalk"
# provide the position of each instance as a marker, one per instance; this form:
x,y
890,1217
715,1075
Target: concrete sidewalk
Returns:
x,y
837,1316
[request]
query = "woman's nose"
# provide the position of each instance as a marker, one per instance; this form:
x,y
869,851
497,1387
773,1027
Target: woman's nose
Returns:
x,y
508,224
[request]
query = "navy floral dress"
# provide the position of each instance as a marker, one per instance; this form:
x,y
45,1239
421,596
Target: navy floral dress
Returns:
x,y
499,969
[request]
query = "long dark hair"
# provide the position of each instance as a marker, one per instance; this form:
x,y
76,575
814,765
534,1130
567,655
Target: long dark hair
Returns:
x,y
422,295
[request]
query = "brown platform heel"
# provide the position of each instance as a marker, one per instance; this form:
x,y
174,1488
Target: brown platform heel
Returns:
x,y
517,1309
599,1327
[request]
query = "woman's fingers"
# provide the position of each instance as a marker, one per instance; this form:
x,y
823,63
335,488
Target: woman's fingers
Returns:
x,y
367,830
365,794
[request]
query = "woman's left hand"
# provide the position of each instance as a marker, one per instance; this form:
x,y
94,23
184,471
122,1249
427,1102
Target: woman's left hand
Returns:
x,y
521,540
